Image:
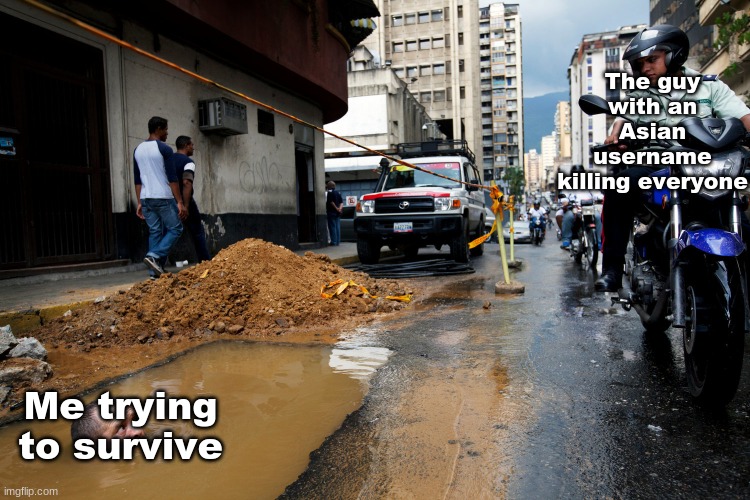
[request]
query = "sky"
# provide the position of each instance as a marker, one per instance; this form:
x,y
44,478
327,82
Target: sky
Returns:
x,y
551,29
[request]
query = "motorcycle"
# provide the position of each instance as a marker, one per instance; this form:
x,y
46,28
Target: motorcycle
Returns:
x,y
536,227
585,242
685,261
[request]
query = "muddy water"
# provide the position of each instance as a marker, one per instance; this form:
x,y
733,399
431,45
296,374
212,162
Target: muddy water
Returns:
x,y
275,404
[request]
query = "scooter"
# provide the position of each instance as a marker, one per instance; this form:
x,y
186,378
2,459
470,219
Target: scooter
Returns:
x,y
685,264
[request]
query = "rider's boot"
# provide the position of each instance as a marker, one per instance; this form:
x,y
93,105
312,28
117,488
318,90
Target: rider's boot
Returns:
x,y
611,278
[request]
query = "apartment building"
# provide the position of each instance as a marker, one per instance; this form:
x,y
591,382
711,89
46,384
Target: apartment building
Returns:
x,y
596,54
684,15
501,87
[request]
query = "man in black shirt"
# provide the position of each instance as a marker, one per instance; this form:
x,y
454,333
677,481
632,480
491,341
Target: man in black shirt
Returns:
x,y
334,208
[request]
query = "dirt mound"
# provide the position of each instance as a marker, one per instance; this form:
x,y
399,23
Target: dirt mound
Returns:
x,y
252,289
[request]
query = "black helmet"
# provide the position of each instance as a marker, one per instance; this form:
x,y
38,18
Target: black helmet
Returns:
x,y
664,37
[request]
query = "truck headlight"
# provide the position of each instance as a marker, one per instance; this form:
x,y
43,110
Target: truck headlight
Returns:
x,y
442,204
366,207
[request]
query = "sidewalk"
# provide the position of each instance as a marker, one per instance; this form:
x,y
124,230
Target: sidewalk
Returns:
x,y
27,303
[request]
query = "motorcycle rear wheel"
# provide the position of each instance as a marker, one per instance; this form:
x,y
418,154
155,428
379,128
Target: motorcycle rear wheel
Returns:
x,y
714,334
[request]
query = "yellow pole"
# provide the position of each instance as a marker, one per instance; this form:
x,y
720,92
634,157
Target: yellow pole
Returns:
x,y
512,232
501,239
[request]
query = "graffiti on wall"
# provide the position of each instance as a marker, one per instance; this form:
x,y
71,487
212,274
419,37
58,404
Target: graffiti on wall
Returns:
x,y
260,177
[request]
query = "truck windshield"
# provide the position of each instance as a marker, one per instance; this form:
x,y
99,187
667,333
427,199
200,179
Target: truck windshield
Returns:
x,y
401,176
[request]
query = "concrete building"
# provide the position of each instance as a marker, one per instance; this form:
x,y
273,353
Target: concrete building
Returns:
x,y
596,54
501,86
731,61
533,173
432,48
75,105
382,113
547,161
562,130
684,15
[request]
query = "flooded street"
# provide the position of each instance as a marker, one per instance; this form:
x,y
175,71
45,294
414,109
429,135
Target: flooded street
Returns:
x,y
550,394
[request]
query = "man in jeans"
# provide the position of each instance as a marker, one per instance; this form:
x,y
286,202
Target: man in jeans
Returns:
x,y
159,197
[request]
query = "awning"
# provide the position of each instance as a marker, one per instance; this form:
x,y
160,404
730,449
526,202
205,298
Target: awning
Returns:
x,y
354,9
363,23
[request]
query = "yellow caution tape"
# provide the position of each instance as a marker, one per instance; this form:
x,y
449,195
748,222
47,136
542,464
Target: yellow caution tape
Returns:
x,y
497,197
343,285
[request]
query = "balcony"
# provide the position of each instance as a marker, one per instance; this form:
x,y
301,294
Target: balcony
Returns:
x,y
710,10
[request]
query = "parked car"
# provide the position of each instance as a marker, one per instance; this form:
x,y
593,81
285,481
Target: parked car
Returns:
x,y
521,233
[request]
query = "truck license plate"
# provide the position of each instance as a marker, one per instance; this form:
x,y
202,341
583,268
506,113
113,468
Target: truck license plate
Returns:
x,y
402,227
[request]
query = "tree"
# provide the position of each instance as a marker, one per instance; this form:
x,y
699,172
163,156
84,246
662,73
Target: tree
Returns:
x,y
513,178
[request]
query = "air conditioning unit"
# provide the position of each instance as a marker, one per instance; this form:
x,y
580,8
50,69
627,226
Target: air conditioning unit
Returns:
x,y
222,116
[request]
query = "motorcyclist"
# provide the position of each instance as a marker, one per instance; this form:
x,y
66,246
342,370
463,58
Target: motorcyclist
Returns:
x,y
538,211
564,217
655,52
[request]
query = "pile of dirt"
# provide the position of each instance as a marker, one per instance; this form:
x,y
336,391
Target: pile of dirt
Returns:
x,y
252,289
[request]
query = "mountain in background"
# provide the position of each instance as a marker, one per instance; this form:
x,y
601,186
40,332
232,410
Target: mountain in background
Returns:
x,y
539,118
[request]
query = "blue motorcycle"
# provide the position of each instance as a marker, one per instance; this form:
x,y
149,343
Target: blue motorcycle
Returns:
x,y
685,265
536,228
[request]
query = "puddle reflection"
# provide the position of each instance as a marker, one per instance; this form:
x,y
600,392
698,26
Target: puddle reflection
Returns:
x,y
276,404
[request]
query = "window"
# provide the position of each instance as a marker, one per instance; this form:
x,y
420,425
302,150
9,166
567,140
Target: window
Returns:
x,y
411,18
460,65
398,46
425,70
460,11
424,17
411,71
399,72
425,97
449,93
438,69
439,96
424,43
437,15
397,21
460,38
462,92
500,138
411,45
266,123
438,43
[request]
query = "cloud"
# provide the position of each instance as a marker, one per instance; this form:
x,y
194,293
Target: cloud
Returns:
x,y
551,29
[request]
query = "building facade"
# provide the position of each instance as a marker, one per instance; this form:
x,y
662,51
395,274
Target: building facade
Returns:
x,y
382,113
731,61
501,87
684,15
75,105
596,54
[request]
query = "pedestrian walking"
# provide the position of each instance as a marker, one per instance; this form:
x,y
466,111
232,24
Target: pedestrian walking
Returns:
x,y
158,193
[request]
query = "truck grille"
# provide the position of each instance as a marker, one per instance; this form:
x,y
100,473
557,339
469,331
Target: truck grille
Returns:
x,y
415,204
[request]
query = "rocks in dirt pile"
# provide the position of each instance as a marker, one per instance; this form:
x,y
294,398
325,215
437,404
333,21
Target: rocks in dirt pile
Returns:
x,y
21,362
29,347
7,340
250,288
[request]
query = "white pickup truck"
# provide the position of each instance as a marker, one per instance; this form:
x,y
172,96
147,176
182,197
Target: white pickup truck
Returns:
x,y
413,208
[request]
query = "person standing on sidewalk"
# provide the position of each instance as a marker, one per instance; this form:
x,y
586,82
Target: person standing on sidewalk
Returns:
x,y
158,193
184,167
334,209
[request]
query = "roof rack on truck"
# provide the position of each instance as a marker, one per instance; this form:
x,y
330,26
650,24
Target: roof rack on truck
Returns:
x,y
435,148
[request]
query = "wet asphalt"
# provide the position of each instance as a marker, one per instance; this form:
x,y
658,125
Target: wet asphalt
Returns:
x,y
561,396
